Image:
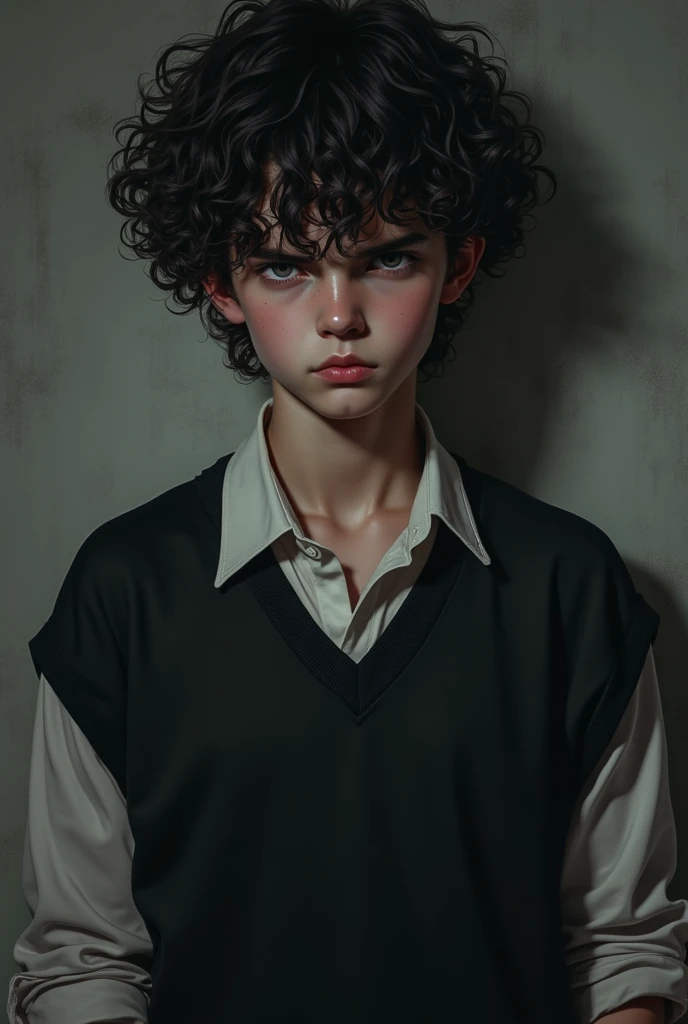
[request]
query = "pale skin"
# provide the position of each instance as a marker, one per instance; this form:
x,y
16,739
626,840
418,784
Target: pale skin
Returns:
x,y
348,455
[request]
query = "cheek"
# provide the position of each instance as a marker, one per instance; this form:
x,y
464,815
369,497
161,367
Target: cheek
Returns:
x,y
272,330
407,324
401,316
412,313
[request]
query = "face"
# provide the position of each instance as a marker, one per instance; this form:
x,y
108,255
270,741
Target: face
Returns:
x,y
380,307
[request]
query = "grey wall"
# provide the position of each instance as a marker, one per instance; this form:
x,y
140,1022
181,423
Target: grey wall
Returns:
x,y
571,382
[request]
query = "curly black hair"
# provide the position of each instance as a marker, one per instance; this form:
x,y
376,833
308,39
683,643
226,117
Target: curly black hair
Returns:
x,y
371,97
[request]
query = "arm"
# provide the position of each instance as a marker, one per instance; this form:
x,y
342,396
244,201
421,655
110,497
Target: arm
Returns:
x,y
624,937
649,1010
85,953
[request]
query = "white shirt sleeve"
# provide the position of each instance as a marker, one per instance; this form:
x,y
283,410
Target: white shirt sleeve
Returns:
x,y
624,936
84,953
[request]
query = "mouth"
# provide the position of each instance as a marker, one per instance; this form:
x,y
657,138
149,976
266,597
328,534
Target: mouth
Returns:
x,y
333,364
350,374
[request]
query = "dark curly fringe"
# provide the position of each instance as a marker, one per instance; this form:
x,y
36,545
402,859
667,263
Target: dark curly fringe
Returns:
x,y
371,97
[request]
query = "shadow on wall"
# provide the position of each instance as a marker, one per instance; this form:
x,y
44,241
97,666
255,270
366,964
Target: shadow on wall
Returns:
x,y
588,295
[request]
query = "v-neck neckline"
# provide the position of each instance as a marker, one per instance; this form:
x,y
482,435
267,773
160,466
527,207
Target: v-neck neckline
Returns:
x,y
358,685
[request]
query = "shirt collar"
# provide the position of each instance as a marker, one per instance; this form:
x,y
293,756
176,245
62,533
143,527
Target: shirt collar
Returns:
x,y
253,496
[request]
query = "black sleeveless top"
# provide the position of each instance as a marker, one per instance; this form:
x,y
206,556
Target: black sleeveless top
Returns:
x,y
325,842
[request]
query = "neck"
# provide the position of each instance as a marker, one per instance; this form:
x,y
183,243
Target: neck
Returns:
x,y
347,471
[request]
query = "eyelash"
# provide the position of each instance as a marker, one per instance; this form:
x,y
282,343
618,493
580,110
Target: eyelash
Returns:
x,y
289,280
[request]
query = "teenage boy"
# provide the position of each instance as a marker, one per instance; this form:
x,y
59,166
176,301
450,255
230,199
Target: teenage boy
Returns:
x,y
343,729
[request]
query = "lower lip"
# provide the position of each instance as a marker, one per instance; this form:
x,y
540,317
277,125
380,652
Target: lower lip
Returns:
x,y
345,374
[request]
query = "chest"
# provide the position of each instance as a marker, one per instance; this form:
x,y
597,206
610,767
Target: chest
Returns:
x,y
359,551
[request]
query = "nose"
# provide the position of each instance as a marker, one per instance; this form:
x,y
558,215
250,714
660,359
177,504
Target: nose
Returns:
x,y
340,313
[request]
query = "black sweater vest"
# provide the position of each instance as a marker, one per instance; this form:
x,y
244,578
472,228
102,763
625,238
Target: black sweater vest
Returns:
x,y
323,842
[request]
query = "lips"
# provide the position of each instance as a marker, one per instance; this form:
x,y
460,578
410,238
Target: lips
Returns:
x,y
337,363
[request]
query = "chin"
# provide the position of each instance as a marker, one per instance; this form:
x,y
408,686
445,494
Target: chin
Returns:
x,y
349,403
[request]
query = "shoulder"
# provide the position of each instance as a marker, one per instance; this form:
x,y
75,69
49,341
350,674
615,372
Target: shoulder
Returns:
x,y
133,538
521,531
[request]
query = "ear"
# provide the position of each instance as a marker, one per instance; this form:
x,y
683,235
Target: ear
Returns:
x,y
222,300
465,266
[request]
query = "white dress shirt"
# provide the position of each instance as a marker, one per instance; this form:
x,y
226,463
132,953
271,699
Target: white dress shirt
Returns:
x,y
85,954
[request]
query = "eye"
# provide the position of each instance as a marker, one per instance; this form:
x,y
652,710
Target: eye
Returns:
x,y
260,271
389,272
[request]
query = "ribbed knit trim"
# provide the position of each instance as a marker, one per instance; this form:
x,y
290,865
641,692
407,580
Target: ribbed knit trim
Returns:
x,y
360,684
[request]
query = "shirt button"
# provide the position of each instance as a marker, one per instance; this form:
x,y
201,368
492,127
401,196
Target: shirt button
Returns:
x,y
310,550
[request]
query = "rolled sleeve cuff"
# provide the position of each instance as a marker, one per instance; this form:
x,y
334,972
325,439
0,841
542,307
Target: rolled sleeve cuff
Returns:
x,y
662,976
83,1000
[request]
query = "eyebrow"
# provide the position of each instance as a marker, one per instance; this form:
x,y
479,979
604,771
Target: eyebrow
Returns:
x,y
373,250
